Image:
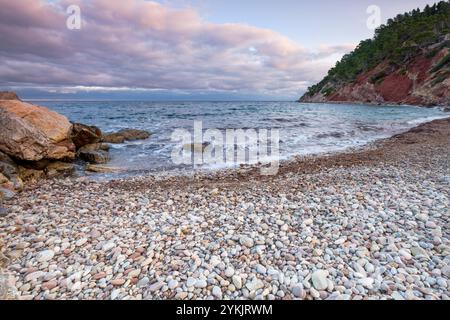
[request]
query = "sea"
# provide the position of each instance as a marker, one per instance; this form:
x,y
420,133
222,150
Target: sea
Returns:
x,y
303,129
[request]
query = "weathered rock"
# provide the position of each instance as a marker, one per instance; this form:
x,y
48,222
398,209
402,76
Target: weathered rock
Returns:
x,y
134,134
94,156
113,138
126,135
54,125
94,153
31,175
32,133
94,147
8,95
58,168
20,139
83,135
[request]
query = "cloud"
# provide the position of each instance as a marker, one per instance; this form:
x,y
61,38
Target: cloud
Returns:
x,y
147,45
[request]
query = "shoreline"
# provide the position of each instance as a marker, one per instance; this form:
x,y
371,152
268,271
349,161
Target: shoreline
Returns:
x,y
307,164
223,171
376,104
367,224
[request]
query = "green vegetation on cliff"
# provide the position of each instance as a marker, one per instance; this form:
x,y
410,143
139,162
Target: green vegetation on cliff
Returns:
x,y
402,38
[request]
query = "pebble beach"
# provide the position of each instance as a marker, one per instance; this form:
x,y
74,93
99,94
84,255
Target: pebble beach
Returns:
x,y
368,224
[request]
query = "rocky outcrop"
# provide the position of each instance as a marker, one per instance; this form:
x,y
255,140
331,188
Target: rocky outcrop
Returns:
x,y
126,135
406,62
33,133
96,153
7,95
82,135
33,143
37,143
423,81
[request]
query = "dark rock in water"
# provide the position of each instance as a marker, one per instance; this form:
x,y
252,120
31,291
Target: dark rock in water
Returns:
x,y
446,109
8,95
94,156
113,138
82,135
95,147
94,153
126,135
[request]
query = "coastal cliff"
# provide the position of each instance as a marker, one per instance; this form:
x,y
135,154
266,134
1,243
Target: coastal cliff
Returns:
x,y
407,62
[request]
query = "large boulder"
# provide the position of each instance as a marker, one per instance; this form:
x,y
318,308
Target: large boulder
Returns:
x,y
83,135
20,139
126,135
33,133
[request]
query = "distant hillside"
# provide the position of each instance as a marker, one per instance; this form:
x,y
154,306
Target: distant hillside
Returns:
x,y
407,62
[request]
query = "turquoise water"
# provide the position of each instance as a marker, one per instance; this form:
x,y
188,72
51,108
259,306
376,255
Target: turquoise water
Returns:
x,y
304,128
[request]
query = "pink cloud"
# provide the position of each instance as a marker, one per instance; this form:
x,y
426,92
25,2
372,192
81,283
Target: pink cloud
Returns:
x,y
143,44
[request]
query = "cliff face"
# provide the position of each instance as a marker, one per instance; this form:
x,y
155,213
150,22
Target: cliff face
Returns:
x,y
407,62
424,80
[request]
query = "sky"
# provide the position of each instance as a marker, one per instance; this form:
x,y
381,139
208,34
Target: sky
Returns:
x,y
179,49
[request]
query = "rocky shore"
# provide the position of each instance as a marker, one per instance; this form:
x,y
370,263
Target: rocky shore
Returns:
x,y
37,143
369,224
